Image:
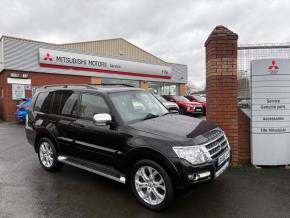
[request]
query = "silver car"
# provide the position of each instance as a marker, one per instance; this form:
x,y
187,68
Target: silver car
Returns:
x,y
171,106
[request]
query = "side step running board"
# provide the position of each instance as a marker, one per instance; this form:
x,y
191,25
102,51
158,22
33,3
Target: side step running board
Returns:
x,y
98,169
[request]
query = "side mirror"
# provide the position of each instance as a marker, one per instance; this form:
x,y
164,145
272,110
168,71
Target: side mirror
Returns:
x,y
102,119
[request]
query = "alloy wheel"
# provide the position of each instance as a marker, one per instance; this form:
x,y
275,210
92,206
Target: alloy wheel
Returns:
x,y
150,185
46,154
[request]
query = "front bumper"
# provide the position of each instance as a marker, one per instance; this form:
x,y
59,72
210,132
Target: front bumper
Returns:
x,y
192,174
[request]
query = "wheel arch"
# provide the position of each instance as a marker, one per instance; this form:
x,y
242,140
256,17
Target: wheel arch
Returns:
x,y
43,133
142,153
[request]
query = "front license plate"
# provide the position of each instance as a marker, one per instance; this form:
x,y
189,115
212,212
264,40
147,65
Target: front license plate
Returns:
x,y
222,169
223,157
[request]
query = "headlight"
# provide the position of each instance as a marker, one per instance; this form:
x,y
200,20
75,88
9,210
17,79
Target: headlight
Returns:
x,y
193,154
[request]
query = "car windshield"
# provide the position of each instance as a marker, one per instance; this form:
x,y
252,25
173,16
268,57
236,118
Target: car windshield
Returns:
x,y
135,106
180,98
200,98
161,99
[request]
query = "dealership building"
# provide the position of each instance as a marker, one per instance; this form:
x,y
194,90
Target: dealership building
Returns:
x,y
26,65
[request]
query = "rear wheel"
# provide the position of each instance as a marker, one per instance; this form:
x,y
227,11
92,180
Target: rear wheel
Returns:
x,y
151,185
47,155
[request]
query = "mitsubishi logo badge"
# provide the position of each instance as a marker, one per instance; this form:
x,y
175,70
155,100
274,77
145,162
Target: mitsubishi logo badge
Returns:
x,y
273,68
47,57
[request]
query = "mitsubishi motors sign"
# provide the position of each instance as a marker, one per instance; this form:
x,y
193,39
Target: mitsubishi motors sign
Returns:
x,y
74,61
270,126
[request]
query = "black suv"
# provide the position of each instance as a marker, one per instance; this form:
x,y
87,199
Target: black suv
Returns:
x,y
127,135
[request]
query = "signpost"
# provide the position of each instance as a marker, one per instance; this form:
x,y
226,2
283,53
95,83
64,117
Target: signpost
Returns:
x,y
270,126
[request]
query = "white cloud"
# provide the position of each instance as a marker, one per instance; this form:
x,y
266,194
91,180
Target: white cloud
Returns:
x,y
173,30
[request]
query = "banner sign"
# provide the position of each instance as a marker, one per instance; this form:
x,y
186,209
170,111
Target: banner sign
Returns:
x,y
270,105
74,61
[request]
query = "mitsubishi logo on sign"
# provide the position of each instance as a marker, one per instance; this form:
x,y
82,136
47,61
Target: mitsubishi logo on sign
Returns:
x,y
47,57
273,68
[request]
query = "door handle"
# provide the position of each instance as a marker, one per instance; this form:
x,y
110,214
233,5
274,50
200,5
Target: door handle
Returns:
x,y
78,125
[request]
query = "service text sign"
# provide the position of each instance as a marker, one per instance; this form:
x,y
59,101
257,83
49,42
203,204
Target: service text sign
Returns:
x,y
270,105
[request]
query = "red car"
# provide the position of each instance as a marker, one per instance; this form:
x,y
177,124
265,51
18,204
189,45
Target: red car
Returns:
x,y
185,106
200,99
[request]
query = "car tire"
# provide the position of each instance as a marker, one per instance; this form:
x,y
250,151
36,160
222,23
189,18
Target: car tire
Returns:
x,y
152,185
47,155
182,111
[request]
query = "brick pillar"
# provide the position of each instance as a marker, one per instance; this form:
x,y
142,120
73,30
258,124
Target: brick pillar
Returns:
x,y
221,83
182,89
144,85
96,81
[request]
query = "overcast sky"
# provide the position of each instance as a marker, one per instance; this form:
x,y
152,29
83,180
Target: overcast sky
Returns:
x,y
174,30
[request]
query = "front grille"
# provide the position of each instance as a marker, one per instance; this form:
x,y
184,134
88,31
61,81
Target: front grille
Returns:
x,y
217,146
197,108
172,108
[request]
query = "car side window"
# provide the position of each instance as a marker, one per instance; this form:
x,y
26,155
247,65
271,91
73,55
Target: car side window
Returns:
x,y
92,104
68,106
56,102
43,102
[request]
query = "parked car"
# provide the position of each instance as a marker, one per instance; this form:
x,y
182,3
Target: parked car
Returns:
x,y
104,130
171,106
186,107
199,99
22,108
244,103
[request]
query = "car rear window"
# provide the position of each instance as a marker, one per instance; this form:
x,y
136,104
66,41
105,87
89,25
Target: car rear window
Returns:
x,y
43,102
65,103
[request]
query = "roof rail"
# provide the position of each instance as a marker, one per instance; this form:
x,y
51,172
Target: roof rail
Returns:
x,y
68,85
115,84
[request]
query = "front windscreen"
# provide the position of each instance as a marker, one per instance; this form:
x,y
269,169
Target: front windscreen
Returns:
x,y
180,98
161,99
200,98
134,106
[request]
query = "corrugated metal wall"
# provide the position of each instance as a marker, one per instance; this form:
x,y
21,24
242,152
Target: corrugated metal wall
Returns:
x,y
1,55
1,51
23,55
115,48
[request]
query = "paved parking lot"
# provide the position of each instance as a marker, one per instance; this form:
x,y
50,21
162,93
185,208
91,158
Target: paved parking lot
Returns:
x,y
26,190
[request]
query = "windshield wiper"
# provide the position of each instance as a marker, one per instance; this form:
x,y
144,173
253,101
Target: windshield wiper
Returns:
x,y
165,114
150,116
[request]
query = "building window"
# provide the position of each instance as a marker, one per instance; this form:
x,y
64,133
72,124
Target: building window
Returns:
x,y
158,88
134,83
1,92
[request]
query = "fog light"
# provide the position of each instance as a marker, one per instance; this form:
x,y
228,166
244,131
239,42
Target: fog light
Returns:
x,y
192,176
197,176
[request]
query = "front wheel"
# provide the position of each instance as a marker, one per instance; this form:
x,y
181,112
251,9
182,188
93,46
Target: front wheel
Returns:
x,y
151,185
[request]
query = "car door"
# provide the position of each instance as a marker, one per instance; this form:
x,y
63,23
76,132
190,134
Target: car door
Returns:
x,y
65,108
95,143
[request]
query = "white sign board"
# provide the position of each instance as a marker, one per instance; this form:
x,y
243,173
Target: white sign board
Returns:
x,y
270,126
81,62
18,91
